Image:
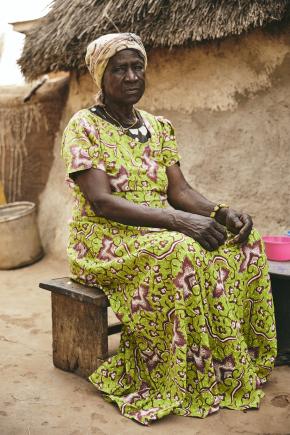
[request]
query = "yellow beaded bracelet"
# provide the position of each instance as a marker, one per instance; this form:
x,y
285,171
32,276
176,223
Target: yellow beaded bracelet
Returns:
x,y
216,209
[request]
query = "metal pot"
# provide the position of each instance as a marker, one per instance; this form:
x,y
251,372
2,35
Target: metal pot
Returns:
x,y
19,237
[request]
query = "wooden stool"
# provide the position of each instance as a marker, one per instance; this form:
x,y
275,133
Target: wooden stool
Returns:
x,y
80,327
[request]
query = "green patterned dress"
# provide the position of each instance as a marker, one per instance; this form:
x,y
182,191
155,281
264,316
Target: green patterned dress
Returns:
x,y
198,327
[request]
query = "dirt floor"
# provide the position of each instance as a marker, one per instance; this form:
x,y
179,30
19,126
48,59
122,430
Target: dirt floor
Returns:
x,y
36,398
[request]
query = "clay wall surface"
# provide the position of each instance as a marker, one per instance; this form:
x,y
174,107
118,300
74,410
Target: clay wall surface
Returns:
x,y
229,103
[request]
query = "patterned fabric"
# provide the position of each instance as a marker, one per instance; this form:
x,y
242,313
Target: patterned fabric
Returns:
x,y
198,327
103,48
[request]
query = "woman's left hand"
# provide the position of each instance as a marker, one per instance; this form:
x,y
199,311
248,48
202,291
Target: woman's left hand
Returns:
x,y
237,223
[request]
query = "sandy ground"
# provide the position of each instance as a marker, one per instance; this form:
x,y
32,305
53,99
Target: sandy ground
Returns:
x,y
36,398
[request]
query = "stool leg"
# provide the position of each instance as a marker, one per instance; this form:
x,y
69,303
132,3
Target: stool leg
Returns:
x,y
80,334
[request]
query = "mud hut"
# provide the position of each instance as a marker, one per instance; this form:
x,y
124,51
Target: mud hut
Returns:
x,y
218,69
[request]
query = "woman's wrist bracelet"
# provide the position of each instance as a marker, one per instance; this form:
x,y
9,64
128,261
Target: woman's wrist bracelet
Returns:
x,y
216,209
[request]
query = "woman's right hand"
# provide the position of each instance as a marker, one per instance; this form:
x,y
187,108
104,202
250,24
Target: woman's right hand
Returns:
x,y
205,230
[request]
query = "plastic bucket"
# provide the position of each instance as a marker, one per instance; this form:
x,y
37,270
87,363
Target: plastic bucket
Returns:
x,y
19,237
277,247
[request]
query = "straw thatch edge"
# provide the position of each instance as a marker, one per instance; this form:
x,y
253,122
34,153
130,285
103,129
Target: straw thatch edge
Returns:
x,y
59,41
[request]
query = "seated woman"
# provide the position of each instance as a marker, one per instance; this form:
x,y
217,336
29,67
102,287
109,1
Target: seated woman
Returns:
x,y
188,282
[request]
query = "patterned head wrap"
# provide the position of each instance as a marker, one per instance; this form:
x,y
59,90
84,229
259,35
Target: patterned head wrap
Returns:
x,y
103,48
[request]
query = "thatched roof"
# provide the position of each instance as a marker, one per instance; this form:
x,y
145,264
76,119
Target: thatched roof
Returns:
x,y
59,42
25,26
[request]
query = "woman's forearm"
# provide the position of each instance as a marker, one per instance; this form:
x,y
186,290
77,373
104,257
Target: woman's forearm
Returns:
x,y
182,196
191,201
202,229
126,212
95,186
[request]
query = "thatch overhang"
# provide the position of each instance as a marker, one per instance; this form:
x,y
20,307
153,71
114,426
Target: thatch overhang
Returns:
x,y
25,26
59,42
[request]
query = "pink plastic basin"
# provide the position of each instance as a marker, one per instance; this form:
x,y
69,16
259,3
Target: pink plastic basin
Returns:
x,y
277,247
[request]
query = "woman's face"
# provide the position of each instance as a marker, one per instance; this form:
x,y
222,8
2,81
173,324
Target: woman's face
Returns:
x,y
124,77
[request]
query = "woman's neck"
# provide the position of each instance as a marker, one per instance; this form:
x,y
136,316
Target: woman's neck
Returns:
x,y
123,112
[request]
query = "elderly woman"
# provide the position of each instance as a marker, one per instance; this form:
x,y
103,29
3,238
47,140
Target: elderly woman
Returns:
x,y
188,282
